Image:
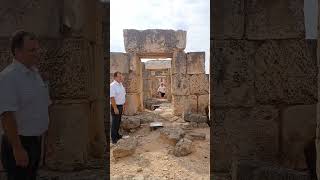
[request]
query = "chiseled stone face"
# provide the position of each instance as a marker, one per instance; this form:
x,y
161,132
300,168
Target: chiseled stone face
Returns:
x,y
70,151
232,73
179,62
203,102
37,16
154,40
250,133
119,62
299,128
158,64
133,103
191,104
195,62
180,84
199,84
228,19
178,104
275,19
286,72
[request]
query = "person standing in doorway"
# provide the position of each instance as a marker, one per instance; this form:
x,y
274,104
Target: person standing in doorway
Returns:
x,y
24,102
118,105
162,90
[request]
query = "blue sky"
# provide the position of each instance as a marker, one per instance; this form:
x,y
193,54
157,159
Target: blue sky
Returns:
x,y
190,15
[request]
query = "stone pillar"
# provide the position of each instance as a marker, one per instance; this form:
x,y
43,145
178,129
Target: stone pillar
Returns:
x,y
263,70
198,82
179,82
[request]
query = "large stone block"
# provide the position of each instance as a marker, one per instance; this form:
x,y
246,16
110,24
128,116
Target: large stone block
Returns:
x,y
232,73
178,103
133,104
180,84
39,16
228,19
179,62
132,82
158,64
199,84
195,62
69,135
299,128
244,134
154,40
286,72
275,19
119,62
191,105
69,64
203,102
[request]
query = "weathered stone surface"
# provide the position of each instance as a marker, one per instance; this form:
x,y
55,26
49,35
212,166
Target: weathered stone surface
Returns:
x,y
158,64
286,72
203,102
244,133
246,169
183,148
195,62
132,82
299,128
119,62
191,105
171,135
271,173
154,40
178,104
69,65
69,151
232,73
180,84
179,63
134,63
196,136
197,118
38,16
228,19
133,102
124,147
199,84
130,122
275,19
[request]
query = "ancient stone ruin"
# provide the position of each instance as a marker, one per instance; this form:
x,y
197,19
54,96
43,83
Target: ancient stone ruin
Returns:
x,y
184,74
72,39
264,86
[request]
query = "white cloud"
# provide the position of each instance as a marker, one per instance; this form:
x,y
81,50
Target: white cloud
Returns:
x,y
192,16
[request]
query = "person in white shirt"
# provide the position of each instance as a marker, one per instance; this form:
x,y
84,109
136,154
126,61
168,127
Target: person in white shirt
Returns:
x,y
24,102
162,90
118,105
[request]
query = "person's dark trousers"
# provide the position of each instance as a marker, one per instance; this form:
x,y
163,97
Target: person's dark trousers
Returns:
x,y
32,145
115,126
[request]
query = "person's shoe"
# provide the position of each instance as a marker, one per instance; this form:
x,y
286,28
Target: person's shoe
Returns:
x,y
120,137
125,137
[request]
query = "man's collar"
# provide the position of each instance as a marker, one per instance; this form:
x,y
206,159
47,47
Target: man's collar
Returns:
x,y
23,67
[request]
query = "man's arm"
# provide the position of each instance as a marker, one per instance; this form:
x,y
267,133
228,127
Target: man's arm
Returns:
x,y
114,105
10,129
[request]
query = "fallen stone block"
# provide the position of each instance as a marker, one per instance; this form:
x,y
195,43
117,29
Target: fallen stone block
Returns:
x,y
171,135
124,147
128,123
196,136
183,147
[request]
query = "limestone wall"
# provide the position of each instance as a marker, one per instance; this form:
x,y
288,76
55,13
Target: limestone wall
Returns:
x,y
264,83
71,54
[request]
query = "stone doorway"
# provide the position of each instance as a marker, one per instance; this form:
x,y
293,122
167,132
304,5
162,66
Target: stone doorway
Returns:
x,y
181,117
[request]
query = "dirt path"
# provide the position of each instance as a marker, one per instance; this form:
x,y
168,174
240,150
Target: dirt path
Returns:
x,y
153,158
